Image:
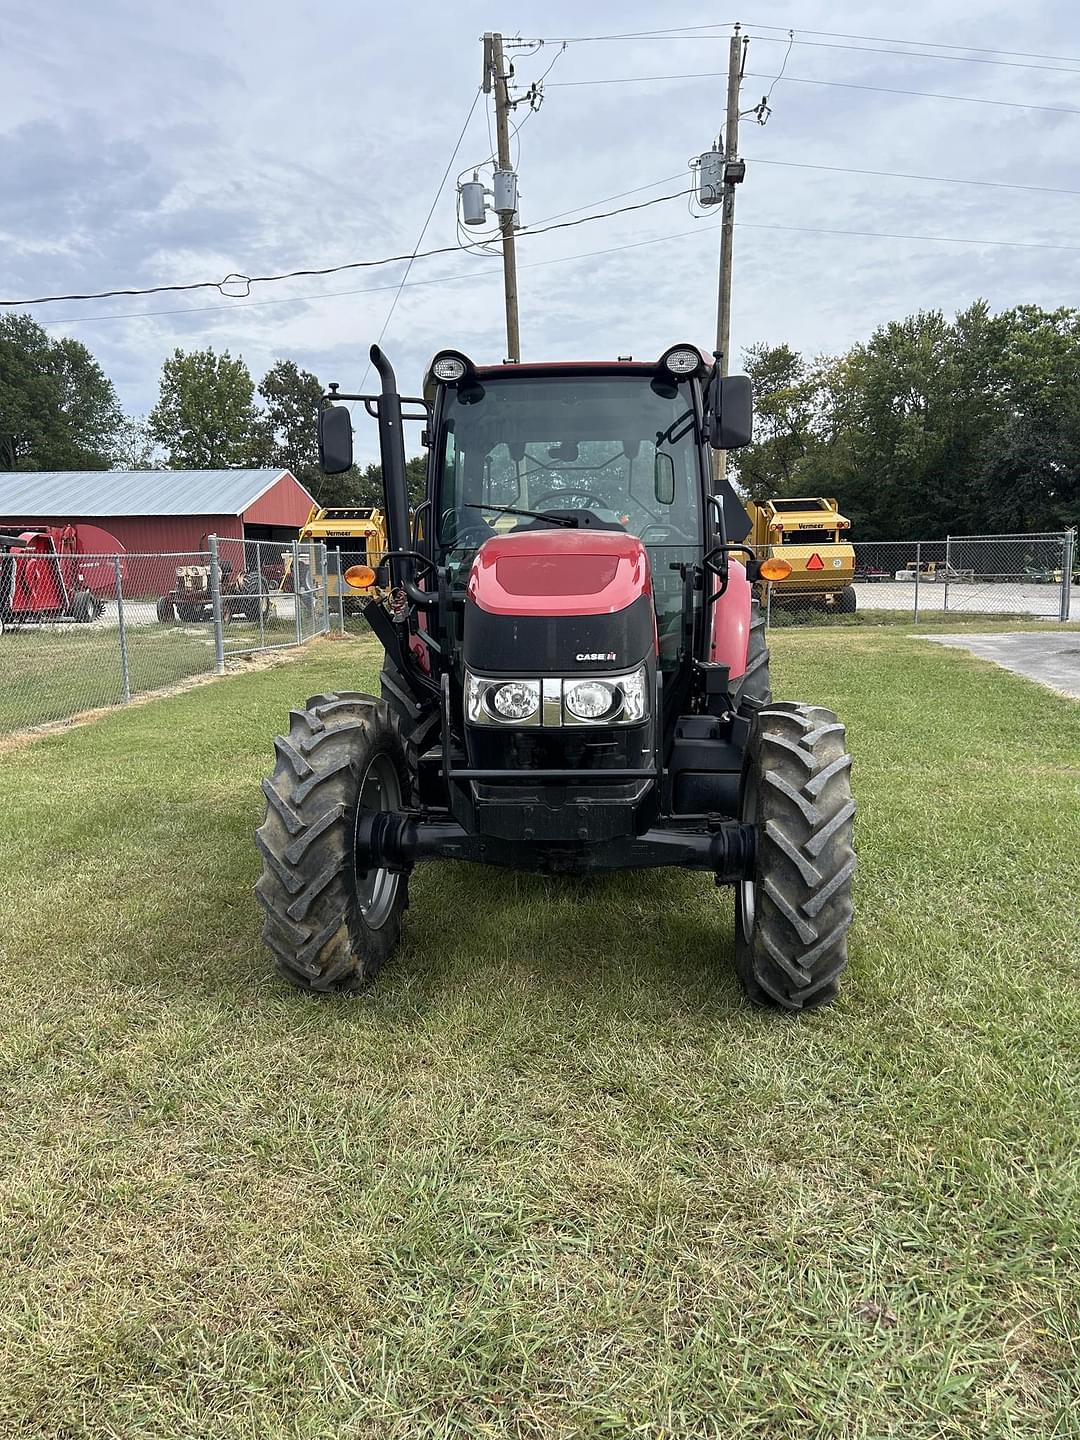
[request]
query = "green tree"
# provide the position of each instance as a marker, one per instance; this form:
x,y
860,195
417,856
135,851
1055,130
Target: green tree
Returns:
x,y
786,405
205,418
1033,474
292,398
58,409
135,448
908,424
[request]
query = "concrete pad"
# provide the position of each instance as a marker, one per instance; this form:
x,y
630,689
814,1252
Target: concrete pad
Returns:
x,y
1050,657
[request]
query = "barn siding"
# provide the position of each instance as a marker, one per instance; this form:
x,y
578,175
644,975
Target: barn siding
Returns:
x,y
285,503
161,535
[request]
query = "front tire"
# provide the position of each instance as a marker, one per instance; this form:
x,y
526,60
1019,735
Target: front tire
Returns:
x,y
328,926
793,915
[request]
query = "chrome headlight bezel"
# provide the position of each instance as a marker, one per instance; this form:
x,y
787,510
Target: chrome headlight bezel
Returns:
x,y
629,699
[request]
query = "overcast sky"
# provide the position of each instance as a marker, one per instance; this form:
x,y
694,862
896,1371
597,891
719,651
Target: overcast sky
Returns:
x,y
153,143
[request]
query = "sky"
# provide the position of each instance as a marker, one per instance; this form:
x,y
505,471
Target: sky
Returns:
x,y
151,144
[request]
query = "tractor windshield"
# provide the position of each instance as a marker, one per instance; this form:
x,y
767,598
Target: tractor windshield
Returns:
x,y
608,452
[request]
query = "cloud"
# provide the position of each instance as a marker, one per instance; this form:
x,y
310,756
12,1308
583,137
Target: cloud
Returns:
x,y
146,144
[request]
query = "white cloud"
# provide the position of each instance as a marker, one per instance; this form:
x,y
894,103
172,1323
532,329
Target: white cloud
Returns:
x,y
145,144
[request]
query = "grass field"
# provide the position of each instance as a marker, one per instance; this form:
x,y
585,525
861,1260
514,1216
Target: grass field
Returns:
x,y
54,672
552,1177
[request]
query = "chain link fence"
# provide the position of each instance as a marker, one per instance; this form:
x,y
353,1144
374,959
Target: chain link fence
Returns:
x,y
82,632
996,577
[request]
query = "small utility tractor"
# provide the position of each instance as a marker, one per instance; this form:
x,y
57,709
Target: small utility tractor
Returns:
x,y
575,677
243,596
56,574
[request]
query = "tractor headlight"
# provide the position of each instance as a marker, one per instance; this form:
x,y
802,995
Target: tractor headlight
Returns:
x,y
494,702
582,700
517,700
610,700
589,699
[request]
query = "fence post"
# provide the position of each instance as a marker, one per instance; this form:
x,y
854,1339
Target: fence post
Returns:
x,y
296,591
340,595
262,597
215,597
768,604
1067,546
324,578
125,673
918,572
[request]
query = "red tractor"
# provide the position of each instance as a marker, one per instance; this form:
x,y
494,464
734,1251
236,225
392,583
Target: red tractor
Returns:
x,y
575,677
56,574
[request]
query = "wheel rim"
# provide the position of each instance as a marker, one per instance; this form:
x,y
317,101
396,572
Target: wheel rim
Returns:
x,y
377,890
747,903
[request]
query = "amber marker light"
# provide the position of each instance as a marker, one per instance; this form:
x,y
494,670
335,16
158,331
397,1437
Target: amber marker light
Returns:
x,y
774,569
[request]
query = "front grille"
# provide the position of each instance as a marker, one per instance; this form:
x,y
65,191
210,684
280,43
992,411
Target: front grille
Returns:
x,y
621,748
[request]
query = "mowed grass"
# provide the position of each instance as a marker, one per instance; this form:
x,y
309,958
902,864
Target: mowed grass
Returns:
x,y
54,672
551,1176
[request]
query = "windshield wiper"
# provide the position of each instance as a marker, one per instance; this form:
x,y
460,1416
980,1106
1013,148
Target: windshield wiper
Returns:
x,y
549,516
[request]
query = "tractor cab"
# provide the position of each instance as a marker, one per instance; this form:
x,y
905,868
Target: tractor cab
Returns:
x,y
575,675
554,459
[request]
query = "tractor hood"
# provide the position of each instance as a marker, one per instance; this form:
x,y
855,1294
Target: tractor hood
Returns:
x,y
559,602
559,572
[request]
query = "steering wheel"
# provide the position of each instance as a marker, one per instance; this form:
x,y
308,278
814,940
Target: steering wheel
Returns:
x,y
592,501
463,530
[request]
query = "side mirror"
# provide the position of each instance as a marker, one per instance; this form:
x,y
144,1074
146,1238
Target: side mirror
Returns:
x,y
664,478
335,440
731,412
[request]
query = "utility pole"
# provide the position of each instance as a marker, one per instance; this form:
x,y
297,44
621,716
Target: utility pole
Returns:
x,y
493,47
734,170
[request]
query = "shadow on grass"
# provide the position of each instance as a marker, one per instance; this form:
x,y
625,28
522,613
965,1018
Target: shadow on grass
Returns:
x,y
645,944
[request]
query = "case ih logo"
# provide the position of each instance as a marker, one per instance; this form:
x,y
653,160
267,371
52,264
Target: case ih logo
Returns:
x,y
597,655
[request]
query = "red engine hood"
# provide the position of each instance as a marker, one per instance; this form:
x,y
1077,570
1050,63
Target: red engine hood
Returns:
x,y
559,572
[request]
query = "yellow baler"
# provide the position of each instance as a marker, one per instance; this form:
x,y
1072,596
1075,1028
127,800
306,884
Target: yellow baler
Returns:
x,y
358,532
811,535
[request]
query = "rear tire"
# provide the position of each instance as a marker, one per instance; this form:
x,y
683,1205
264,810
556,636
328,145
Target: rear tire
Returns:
x,y
846,604
165,611
792,917
755,686
327,926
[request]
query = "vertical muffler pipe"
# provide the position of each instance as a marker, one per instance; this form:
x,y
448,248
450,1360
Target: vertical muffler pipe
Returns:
x,y
395,482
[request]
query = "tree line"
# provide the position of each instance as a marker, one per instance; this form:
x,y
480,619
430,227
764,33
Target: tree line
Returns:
x,y
932,426
60,411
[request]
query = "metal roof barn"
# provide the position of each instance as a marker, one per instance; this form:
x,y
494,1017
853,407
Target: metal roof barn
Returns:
x,y
154,512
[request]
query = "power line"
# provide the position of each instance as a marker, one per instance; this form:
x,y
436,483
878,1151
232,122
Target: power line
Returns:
x,y
250,280
907,175
678,33
667,180
936,44
699,229
912,54
835,84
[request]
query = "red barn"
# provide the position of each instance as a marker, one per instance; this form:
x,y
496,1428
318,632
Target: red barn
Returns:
x,y
155,512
